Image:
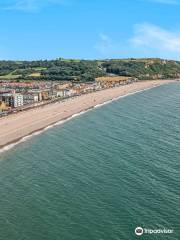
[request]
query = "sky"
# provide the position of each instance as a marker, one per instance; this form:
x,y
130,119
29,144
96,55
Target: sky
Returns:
x,y
89,29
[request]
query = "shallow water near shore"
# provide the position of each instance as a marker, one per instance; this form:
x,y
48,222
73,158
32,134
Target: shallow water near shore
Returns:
x,y
98,176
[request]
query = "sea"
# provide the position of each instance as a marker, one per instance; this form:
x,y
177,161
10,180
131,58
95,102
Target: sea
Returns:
x,y
99,175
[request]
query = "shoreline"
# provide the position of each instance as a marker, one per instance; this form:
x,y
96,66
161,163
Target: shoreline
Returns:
x,y
11,133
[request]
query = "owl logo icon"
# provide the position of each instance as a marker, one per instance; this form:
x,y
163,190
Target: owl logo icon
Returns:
x,y
139,231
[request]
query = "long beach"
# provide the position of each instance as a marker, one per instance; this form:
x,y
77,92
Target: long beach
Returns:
x,y
16,126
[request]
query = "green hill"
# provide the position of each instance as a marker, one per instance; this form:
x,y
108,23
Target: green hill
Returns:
x,y
86,70
144,69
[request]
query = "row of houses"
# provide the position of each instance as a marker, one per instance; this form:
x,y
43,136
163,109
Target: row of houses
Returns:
x,y
115,81
11,99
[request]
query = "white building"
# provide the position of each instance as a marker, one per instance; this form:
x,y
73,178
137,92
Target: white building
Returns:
x,y
65,93
12,99
70,92
60,93
29,98
17,100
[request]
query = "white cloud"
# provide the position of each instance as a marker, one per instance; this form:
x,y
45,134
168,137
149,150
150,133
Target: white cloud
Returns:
x,y
173,2
151,39
147,40
29,5
104,45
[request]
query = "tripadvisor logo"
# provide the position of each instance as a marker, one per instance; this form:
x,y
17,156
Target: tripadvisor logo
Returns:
x,y
139,231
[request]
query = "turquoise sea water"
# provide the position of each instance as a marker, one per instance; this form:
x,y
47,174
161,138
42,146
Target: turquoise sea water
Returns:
x,y
98,176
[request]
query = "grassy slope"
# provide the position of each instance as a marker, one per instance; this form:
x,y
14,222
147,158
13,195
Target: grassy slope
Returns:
x,y
143,68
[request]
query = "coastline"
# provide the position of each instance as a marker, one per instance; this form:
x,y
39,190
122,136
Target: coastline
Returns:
x,y
20,127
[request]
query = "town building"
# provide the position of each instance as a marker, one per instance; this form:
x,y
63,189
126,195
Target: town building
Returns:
x,y
17,100
12,99
3,106
45,95
60,93
69,92
30,98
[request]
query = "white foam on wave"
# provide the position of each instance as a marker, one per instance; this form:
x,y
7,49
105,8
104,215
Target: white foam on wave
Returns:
x,y
8,147
48,127
24,139
123,96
